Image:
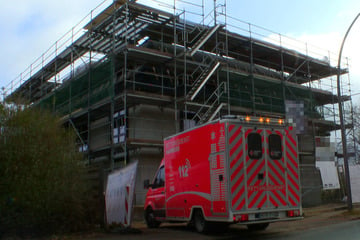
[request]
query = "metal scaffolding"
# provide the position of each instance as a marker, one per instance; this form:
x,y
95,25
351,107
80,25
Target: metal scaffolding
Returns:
x,y
107,75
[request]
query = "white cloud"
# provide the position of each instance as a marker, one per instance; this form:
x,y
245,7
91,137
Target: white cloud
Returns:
x,y
32,27
319,46
350,55
327,46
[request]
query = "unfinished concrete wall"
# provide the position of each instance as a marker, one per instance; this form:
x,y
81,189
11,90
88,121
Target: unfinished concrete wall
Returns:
x,y
99,133
148,126
311,184
149,161
152,123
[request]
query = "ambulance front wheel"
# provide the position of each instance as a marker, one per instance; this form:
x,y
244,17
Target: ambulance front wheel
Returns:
x,y
201,225
150,220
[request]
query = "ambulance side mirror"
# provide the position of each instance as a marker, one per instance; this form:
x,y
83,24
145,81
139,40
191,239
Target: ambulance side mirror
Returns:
x,y
147,184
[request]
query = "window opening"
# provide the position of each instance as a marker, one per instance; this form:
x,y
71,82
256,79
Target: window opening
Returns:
x,y
159,181
275,146
254,146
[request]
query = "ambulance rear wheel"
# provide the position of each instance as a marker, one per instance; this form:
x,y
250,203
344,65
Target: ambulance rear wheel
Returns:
x,y
150,220
258,226
201,225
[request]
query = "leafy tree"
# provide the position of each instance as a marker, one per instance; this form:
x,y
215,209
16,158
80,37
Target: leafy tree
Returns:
x,y
42,186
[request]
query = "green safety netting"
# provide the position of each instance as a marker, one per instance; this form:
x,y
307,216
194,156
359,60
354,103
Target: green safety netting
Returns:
x,y
95,84
268,96
88,88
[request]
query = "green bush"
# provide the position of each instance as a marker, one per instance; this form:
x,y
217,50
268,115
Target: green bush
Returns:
x,y
42,184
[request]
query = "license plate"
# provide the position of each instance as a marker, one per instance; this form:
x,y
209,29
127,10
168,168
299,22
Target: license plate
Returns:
x,y
268,215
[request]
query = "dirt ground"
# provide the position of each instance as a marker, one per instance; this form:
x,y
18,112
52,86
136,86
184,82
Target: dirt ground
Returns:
x,y
318,217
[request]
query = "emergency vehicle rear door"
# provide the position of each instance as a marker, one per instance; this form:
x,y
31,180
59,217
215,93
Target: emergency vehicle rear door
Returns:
x,y
257,168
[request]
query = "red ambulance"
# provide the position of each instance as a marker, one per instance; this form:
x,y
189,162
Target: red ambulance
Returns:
x,y
243,170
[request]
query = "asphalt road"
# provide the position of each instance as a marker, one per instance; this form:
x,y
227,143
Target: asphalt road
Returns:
x,y
343,231
325,222
349,230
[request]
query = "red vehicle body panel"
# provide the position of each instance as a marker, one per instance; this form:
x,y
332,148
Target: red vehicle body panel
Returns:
x,y
229,168
191,160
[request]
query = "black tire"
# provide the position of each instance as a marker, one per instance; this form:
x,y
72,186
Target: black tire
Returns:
x,y
201,225
150,220
257,226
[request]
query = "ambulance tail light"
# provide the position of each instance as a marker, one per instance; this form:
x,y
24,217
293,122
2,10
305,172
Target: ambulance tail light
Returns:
x,y
293,213
241,218
244,218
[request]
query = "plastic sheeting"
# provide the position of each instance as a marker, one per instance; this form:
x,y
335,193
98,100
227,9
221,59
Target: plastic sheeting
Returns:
x,y
329,174
119,195
355,183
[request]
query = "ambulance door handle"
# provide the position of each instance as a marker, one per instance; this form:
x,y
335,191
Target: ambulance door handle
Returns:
x,y
221,178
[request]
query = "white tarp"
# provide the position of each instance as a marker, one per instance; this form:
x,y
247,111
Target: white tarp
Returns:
x,y
355,183
119,195
329,174
325,154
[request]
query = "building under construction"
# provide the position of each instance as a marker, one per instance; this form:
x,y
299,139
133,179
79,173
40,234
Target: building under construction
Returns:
x,y
130,75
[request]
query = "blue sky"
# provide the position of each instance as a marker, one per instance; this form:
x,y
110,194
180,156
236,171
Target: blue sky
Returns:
x,y
29,28
297,16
